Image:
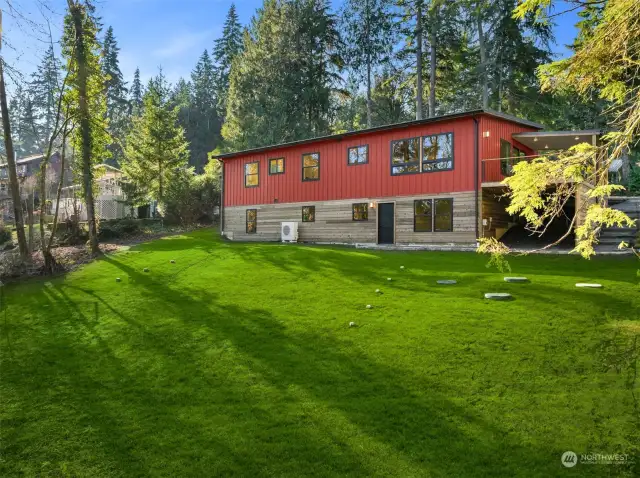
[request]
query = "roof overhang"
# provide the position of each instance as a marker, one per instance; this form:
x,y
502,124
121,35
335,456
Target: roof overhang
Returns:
x,y
435,119
557,140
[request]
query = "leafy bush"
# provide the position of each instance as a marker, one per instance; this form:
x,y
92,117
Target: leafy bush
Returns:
x,y
191,199
5,234
119,228
11,264
634,180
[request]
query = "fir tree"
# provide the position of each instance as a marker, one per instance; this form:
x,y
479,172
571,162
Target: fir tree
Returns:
x,y
225,49
280,86
368,39
135,100
44,87
203,127
116,90
28,130
156,147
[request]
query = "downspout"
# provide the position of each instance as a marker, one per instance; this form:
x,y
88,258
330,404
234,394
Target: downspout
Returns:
x,y
221,197
476,148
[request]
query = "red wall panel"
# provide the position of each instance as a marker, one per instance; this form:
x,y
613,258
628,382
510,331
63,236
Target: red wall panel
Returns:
x,y
490,146
374,179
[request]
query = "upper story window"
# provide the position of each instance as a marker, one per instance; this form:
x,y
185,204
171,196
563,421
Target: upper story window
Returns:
x,y
311,167
437,152
421,155
358,155
252,174
405,156
276,166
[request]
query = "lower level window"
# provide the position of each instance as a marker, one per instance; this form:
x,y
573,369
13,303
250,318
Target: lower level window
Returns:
x,y
360,212
433,215
252,221
443,215
308,213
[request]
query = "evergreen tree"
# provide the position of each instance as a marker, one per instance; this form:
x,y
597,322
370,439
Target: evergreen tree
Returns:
x,y
518,48
27,130
44,88
203,127
411,27
225,49
349,107
281,84
16,112
116,93
135,100
155,148
390,98
368,39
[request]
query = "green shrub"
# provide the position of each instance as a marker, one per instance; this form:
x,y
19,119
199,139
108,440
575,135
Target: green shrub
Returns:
x,y
5,234
119,228
634,180
191,199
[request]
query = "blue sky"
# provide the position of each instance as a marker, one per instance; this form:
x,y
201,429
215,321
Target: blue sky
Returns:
x,y
170,33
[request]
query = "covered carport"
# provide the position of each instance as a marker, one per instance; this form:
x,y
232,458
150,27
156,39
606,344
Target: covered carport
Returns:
x,y
512,230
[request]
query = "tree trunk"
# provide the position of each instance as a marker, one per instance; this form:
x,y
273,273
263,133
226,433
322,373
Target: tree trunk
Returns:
x,y
11,166
368,37
432,75
419,60
483,60
369,108
30,220
77,14
50,264
160,182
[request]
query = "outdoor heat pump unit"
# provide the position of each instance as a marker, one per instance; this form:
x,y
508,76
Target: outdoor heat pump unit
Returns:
x,y
289,231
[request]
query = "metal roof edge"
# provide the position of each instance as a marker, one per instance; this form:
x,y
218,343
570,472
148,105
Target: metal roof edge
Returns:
x,y
387,127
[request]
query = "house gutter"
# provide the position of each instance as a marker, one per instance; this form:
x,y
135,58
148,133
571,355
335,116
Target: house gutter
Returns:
x,y
221,196
476,174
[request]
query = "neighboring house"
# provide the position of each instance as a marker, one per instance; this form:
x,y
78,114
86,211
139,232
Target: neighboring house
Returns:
x,y
431,181
28,167
110,200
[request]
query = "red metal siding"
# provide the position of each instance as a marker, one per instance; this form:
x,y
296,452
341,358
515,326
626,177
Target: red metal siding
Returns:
x,y
374,179
490,146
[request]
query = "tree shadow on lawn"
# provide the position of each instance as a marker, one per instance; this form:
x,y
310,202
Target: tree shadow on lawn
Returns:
x,y
366,263
139,421
422,271
416,418
131,415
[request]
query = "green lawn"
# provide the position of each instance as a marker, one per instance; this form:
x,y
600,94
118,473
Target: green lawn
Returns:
x,y
238,360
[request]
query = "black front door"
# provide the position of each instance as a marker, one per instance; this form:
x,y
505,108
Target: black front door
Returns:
x,y
386,222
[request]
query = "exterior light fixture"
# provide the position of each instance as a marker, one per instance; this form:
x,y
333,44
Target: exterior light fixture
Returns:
x,y
486,134
546,146
535,140
577,138
372,205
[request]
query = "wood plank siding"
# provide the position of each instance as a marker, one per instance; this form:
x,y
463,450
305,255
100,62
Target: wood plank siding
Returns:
x,y
334,221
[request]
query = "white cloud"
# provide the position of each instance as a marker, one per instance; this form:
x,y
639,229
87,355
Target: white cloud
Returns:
x,y
182,43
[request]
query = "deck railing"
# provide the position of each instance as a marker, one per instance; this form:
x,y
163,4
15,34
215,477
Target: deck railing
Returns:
x,y
496,169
